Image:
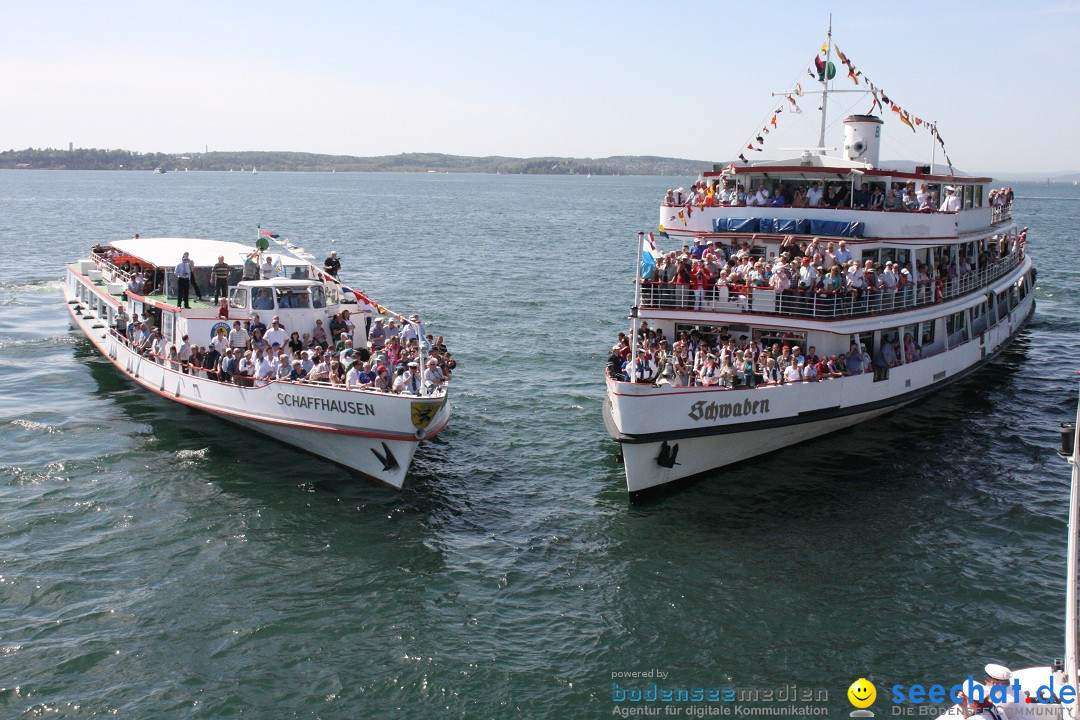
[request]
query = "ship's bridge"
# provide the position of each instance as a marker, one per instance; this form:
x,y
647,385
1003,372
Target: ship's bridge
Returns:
x,y
852,217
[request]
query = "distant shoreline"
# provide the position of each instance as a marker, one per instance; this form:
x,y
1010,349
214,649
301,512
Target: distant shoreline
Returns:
x,y
432,163
267,161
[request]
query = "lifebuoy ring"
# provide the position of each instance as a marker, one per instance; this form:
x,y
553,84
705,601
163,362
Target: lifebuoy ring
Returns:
x,y
939,291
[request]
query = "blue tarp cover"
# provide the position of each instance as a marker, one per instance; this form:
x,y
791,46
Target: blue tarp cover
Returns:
x,y
836,227
742,225
783,226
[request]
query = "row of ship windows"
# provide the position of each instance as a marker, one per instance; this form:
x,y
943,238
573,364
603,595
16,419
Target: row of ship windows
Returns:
x,y
956,328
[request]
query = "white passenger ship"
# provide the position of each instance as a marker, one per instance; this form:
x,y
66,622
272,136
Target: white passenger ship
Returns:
x,y
372,433
959,319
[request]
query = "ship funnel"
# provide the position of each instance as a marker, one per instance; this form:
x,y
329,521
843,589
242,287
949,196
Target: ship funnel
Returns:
x,y
862,138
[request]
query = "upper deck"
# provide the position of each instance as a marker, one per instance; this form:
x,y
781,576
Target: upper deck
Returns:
x,y
837,199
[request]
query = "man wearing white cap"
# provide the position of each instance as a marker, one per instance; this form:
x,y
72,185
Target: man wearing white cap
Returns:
x,y
411,378
1001,675
951,203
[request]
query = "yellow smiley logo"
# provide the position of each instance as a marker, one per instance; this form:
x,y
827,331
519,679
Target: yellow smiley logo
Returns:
x,y
862,693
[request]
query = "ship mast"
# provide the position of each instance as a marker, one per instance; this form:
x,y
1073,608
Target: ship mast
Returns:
x,y
825,89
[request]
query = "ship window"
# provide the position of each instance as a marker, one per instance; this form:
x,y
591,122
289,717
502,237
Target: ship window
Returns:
x,y
168,327
332,297
978,318
262,298
291,298
911,331
1013,300
238,298
956,328
1022,286
897,255
773,336
969,196
927,333
978,196
318,297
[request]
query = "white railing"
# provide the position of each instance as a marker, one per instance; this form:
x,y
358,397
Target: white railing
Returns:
x,y
819,303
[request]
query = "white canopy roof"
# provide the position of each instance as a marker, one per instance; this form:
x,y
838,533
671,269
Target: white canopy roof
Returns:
x,y
166,252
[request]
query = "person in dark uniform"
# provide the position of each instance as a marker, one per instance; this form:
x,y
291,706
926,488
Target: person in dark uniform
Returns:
x,y
332,266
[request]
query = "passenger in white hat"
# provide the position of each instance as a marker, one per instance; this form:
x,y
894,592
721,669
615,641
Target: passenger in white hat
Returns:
x,y
951,203
998,674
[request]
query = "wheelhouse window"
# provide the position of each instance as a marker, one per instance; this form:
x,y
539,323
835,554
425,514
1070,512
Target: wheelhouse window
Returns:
x,y
318,297
293,298
238,298
262,298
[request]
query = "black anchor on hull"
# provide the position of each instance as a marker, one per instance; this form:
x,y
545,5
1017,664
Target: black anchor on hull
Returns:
x,y
667,455
389,462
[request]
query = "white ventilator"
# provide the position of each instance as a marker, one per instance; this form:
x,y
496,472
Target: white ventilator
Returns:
x,y
862,138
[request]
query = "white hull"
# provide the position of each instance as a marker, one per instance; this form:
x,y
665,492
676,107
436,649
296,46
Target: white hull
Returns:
x,y
703,454
374,434
715,427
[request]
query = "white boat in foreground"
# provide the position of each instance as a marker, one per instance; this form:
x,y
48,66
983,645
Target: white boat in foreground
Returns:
x,y
938,293
372,433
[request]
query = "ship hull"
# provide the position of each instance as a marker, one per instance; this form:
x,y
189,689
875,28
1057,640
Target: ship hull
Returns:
x,y
670,434
374,435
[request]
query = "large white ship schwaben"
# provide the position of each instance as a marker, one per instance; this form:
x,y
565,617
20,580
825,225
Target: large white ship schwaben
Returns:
x,y
372,433
924,297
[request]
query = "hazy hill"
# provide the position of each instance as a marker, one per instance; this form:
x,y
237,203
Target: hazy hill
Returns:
x,y
97,159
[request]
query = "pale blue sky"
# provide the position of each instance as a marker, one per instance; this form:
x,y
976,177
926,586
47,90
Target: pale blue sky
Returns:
x,y
586,79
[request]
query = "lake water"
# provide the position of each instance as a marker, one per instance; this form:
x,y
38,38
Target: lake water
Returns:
x,y
159,563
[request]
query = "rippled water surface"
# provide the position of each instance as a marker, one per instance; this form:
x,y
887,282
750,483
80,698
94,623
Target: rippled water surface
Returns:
x,y
158,563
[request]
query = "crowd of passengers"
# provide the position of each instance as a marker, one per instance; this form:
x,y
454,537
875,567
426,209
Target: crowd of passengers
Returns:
x,y
694,359
870,196
691,277
253,354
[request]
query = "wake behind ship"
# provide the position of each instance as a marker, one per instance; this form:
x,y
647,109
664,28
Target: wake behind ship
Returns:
x,y
786,299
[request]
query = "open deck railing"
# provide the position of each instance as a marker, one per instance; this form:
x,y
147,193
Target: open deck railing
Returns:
x,y
821,304
1000,213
